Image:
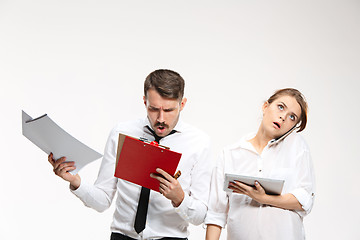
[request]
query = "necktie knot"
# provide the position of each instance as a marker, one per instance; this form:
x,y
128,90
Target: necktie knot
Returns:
x,y
158,138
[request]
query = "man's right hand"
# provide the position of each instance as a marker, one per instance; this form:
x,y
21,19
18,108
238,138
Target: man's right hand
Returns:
x,y
62,168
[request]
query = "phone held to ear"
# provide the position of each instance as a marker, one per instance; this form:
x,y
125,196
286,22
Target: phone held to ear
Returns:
x,y
277,140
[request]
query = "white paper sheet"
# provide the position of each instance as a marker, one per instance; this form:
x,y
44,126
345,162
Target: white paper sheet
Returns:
x,y
49,137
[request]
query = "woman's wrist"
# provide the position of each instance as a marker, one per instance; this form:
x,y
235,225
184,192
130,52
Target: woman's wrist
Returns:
x,y
76,183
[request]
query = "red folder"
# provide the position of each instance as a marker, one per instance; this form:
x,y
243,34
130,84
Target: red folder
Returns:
x,y
136,159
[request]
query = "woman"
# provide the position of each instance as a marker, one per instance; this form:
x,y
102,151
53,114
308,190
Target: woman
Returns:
x,y
276,151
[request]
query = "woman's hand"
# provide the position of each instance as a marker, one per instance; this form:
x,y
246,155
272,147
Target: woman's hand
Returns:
x,y
284,201
257,193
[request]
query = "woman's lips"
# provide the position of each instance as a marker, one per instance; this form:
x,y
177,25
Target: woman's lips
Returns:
x,y
277,125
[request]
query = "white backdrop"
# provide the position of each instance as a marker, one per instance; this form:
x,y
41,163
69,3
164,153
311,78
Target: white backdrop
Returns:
x,y
84,62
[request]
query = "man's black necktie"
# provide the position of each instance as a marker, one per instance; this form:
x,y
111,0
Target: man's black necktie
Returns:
x,y
140,218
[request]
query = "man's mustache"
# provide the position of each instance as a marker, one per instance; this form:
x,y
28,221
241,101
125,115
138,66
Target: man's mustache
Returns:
x,y
161,124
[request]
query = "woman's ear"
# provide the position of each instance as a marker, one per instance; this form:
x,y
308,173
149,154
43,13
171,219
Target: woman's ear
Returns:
x,y
265,106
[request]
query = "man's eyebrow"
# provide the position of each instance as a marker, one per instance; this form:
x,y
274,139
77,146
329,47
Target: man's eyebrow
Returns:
x,y
164,109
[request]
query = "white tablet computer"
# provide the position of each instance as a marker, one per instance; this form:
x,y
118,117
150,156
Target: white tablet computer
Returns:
x,y
271,186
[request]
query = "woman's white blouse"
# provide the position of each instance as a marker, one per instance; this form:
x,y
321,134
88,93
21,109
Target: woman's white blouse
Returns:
x,y
289,160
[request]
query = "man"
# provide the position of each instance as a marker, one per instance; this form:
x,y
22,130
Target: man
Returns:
x,y
179,202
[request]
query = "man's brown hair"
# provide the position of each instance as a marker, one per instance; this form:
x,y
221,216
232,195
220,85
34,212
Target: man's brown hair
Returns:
x,y
168,83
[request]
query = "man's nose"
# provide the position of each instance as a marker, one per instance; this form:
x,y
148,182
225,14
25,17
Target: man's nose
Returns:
x,y
161,116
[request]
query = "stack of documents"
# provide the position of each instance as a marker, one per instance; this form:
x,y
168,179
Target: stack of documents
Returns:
x,y
49,137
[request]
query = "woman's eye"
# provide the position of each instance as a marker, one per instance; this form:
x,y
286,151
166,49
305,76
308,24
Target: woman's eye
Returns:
x,y
292,117
281,107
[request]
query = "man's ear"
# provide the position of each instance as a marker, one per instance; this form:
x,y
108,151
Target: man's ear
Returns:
x,y
144,98
183,103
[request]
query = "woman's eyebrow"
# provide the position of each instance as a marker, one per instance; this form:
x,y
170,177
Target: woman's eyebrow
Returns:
x,y
291,112
283,104
295,115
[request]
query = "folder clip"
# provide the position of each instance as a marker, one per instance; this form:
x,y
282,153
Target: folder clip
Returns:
x,y
154,143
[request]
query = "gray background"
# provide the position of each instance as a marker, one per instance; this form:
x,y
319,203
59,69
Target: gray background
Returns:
x,y
84,63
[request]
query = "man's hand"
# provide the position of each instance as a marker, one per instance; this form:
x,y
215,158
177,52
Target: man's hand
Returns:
x,y
62,168
169,187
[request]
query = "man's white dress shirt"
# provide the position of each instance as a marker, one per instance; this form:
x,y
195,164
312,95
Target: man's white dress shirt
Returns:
x,y
246,219
163,220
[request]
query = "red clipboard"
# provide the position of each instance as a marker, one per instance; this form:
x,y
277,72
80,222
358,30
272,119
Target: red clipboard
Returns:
x,y
136,159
